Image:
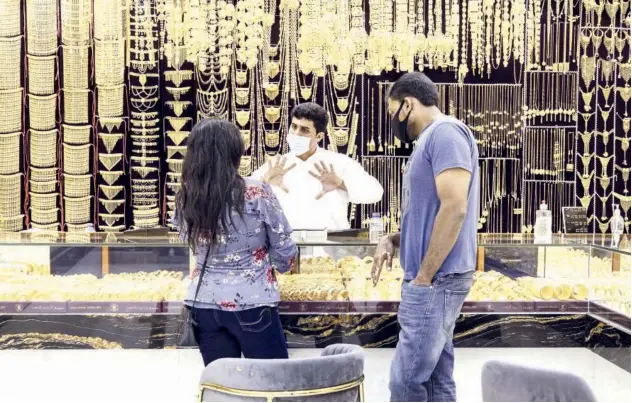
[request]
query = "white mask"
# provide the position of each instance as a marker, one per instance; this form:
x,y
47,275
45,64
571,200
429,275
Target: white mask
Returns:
x,y
299,145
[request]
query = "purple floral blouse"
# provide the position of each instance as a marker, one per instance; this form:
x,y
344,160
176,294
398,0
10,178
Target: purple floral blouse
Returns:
x,y
240,272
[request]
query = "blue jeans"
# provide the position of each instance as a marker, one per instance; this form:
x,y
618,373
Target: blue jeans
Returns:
x,y
422,369
257,333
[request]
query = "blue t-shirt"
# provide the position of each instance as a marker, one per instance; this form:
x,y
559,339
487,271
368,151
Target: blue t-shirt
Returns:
x,y
447,143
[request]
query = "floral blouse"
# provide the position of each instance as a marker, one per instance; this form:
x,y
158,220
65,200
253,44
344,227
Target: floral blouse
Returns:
x,y
240,271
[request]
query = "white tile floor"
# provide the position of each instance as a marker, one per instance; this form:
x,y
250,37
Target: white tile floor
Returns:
x,y
171,375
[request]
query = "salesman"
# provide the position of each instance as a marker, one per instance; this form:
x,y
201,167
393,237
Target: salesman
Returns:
x,y
314,185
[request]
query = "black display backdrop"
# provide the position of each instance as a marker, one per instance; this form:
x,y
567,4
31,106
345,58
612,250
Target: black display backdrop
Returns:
x,y
98,97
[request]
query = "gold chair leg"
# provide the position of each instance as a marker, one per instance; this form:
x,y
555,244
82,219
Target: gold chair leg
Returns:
x,y
361,392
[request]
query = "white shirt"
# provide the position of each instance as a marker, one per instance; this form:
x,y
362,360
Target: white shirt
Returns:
x,y
300,206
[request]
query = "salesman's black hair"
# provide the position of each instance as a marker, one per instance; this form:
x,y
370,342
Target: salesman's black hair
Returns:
x,y
314,112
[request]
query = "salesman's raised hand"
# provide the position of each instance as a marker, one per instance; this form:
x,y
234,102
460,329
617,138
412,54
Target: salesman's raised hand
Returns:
x,y
277,171
328,179
383,254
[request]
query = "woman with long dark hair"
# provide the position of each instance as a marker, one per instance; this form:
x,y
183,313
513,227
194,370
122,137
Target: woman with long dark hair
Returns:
x,y
237,227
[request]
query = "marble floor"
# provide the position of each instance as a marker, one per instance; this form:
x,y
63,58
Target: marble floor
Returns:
x,y
171,375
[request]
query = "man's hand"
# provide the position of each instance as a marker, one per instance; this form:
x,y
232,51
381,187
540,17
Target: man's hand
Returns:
x,y
421,282
277,171
384,252
328,179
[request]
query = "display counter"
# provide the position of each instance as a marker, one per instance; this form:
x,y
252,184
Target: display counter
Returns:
x,y
107,273
122,283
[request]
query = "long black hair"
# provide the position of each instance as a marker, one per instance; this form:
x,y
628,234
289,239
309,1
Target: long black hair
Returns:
x,y
212,190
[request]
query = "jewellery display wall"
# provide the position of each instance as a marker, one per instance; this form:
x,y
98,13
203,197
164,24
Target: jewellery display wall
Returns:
x,y
100,109
107,290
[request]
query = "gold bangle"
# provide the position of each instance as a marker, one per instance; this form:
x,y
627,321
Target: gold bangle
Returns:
x,y
10,14
11,107
110,101
77,159
42,111
46,201
41,25
76,135
43,174
41,70
77,210
43,148
75,63
76,109
43,187
9,148
12,224
44,217
77,185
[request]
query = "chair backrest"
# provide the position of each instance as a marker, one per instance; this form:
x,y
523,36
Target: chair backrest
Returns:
x,y
504,382
232,379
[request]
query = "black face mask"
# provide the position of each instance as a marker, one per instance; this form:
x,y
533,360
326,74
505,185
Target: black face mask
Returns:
x,y
400,129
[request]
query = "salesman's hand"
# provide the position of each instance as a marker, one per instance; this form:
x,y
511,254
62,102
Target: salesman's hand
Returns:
x,y
277,171
383,254
328,179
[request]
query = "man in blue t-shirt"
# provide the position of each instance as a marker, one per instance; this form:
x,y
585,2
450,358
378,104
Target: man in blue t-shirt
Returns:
x,y
437,240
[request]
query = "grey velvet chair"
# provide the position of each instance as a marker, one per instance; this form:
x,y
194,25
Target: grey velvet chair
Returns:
x,y
504,382
337,375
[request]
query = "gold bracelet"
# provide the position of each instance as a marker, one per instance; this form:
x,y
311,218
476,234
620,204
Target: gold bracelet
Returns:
x,y
47,201
75,64
76,135
9,149
41,25
76,106
109,62
10,14
43,174
111,205
12,224
111,191
77,185
43,148
10,195
110,101
77,159
41,70
76,16
43,187
11,107
10,68
42,111
77,209
44,217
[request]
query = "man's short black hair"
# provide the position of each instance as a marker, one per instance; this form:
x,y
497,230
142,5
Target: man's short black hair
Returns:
x,y
314,112
416,85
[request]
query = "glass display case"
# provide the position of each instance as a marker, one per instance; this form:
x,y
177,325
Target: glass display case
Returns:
x,y
97,273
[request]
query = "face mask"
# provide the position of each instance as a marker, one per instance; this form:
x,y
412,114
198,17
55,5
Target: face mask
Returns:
x,y
299,145
400,129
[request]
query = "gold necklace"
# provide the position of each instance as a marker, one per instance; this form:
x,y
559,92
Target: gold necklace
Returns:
x,y
111,191
41,74
76,135
42,111
41,25
76,106
9,148
11,105
43,148
77,185
77,159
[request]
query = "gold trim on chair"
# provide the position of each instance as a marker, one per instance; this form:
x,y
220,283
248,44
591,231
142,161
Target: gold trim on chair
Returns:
x,y
270,395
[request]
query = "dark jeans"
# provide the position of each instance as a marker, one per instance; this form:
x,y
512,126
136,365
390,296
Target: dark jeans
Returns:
x,y
257,333
424,358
